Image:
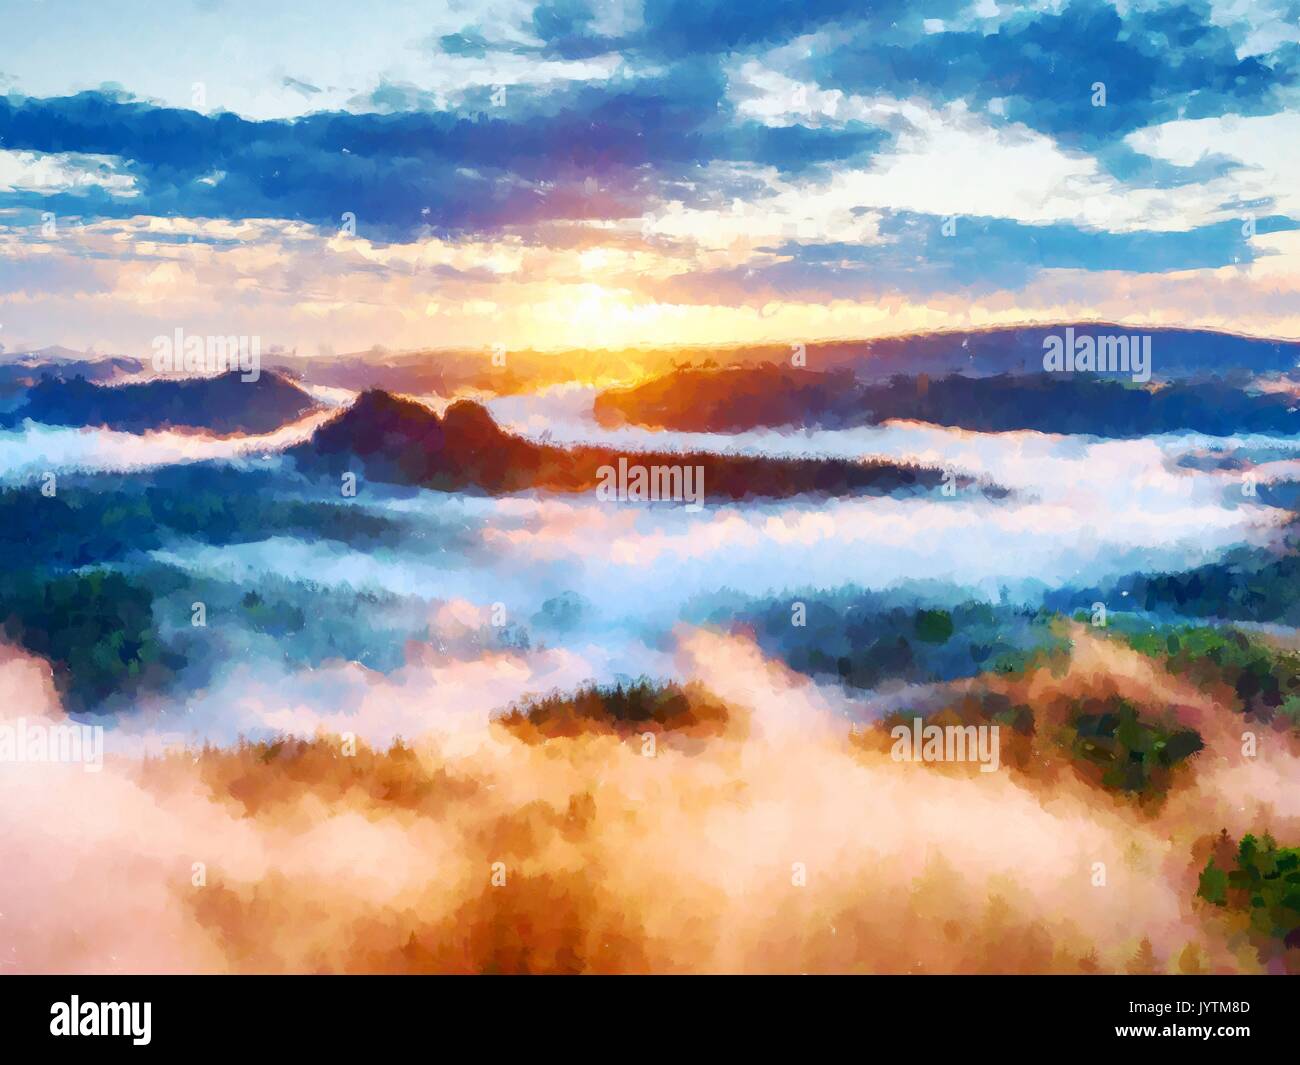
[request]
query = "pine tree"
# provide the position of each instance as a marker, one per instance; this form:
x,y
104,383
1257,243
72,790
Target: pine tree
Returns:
x,y
1144,961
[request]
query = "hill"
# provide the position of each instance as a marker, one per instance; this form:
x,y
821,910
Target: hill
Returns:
x,y
398,441
736,399
220,404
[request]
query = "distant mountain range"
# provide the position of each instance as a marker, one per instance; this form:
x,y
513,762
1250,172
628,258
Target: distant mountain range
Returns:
x,y
385,438
21,372
219,404
736,399
988,380
1176,353
55,353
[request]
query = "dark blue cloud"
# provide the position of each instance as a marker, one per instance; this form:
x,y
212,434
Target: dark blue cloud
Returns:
x,y
1004,252
714,27
612,149
1155,64
795,147
589,151
566,27
385,169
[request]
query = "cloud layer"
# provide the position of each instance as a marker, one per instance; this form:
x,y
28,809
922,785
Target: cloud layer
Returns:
x,y
656,172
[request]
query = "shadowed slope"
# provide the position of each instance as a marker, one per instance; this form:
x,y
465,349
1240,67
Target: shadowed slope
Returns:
x,y
221,404
399,441
709,400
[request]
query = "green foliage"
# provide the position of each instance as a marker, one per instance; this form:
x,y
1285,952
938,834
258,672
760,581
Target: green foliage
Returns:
x,y
1016,661
1214,884
1133,754
1266,681
865,638
104,520
1263,882
1246,585
275,618
933,626
96,627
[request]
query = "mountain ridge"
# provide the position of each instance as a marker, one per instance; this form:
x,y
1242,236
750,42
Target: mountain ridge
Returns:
x,y
221,404
399,441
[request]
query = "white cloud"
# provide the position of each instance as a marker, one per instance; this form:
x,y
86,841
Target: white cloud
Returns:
x,y
1267,145
50,173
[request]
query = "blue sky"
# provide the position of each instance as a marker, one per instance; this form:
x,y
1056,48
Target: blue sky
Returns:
x,y
334,176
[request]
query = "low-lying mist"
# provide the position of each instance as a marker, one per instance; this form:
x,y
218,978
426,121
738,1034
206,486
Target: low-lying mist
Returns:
x,y
778,845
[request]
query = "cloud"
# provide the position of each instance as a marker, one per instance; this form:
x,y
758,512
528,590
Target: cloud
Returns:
x,y
51,173
306,88
518,159
395,173
34,449
778,846
682,27
1157,62
755,172
922,254
1264,151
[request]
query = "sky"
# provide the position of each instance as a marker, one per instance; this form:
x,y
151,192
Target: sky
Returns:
x,y
336,176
